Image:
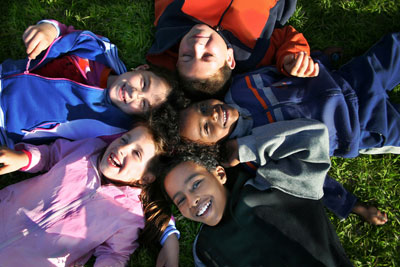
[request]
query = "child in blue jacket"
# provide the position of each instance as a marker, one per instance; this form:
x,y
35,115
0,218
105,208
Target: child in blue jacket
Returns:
x,y
79,88
352,102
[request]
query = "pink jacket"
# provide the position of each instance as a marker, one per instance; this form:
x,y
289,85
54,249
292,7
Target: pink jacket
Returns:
x,y
64,216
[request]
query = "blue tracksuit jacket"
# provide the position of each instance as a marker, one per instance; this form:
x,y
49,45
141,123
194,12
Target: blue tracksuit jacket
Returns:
x,y
37,109
352,102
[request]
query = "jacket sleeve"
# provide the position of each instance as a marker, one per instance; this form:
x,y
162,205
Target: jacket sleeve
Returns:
x,y
117,249
293,155
43,157
171,229
62,29
284,41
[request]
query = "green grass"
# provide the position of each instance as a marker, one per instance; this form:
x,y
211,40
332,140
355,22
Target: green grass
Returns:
x,y
353,25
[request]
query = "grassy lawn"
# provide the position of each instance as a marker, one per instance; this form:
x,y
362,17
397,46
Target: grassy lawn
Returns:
x,y
353,25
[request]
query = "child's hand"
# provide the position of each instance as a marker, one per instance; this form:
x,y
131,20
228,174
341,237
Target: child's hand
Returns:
x,y
300,65
169,253
38,38
231,150
11,160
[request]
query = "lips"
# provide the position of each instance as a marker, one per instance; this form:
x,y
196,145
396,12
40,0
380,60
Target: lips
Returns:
x,y
114,161
203,208
224,116
122,94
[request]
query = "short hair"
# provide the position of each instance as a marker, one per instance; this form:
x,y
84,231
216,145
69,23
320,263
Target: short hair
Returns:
x,y
170,77
215,86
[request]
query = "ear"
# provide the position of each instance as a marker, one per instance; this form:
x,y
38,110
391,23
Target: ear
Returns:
x,y
231,59
142,67
148,178
220,174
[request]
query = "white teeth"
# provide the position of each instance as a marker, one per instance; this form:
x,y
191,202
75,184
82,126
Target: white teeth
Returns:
x,y
114,161
224,117
203,209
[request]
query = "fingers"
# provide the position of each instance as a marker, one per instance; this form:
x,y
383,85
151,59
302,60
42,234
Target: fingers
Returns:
x,y
31,40
37,38
303,66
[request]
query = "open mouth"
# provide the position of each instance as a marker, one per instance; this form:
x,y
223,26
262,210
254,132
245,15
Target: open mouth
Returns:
x,y
224,116
203,208
113,161
122,93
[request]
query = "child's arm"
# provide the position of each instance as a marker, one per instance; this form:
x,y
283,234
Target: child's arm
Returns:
x,y
12,160
39,37
293,155
44,157
286,45
169,253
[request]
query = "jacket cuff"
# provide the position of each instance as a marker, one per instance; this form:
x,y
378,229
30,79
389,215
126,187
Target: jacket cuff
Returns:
x,y
20,147
247,149
171,229
52,22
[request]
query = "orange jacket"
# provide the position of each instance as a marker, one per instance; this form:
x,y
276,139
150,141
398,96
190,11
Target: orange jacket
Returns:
x,y
255,30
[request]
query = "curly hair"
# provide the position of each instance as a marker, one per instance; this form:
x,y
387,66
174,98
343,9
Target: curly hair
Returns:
x,y
204,156
215,86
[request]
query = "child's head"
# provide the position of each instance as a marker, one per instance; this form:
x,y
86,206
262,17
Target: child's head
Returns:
x,y
195,184
205,62
207,122
143,89
126,159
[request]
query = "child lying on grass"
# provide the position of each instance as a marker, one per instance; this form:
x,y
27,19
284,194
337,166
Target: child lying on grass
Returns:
x,y
79,88
87,203
274,219
206,40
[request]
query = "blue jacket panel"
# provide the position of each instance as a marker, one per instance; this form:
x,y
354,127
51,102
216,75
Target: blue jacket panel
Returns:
x,y
270,97
41,109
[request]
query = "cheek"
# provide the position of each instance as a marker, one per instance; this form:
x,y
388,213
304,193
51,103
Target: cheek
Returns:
x,y
136,171
184,210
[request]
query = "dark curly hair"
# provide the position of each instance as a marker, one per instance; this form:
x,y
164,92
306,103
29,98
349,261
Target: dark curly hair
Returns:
x,y
205,156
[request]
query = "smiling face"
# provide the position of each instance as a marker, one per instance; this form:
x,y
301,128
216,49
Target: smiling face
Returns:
x,y
138,91
202,52
208,121
126,158
199,195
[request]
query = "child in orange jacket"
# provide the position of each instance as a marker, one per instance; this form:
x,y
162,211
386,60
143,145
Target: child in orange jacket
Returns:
x,y
206,40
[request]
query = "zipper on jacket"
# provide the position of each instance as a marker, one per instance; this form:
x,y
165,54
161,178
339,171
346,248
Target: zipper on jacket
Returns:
x,y
27,66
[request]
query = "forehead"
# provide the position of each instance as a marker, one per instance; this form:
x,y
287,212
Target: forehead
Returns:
x,y
179,176
140,133
189,123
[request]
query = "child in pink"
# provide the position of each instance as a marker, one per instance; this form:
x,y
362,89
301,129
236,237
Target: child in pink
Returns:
x,y
87,203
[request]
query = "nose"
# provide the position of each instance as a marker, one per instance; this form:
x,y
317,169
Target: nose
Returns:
x,y
123,149
136,95
198,48
194,200
214,114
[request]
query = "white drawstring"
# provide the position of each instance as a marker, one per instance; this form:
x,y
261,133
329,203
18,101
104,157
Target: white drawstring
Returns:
x,y
27,66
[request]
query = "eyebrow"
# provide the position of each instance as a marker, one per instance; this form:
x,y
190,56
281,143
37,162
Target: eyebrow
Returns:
x,y
187,180
127,135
